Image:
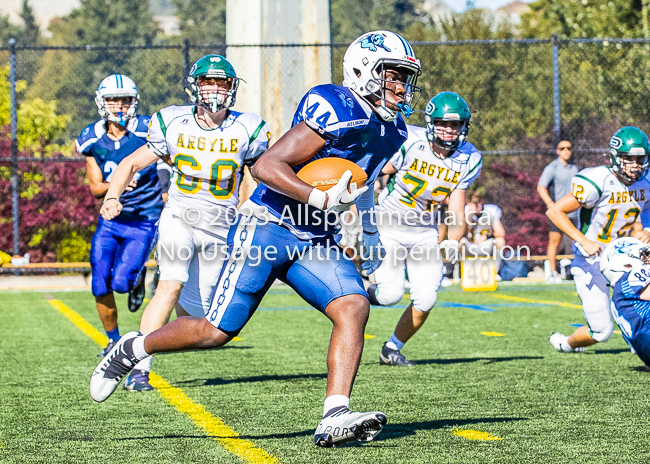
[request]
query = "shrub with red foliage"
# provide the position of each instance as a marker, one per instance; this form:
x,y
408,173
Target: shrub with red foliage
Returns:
x,y
54,204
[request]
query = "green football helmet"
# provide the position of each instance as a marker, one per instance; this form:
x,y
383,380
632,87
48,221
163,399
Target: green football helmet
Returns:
x,y
630,141
211,66
447,106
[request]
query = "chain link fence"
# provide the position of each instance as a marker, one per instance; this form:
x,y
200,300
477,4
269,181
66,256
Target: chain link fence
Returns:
x,y
525,95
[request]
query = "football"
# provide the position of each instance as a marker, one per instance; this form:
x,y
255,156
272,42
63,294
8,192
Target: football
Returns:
x,y
324,173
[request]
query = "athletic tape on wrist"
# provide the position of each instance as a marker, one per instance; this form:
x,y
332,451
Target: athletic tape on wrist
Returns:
x,y
317,199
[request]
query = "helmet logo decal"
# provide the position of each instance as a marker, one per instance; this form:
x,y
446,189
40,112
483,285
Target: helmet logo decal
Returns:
x,y
347,102
622,246
616,143
374,42
193,68
215,59
430,107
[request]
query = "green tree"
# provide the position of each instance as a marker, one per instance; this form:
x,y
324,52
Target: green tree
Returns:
x,y
202,21
71,78
583,19
8,30
31,33
351,19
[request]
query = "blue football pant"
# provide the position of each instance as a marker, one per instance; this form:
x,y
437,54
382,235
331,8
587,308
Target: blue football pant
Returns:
x,y
118,252
318,270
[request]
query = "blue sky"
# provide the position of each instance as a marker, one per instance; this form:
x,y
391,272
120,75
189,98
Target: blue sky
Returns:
x,y
459,5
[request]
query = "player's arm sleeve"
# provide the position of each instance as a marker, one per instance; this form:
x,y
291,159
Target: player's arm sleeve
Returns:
x,y
258,143
85,141
475,166
398,158
585,190
365,207
320,115
546,178
156,136
164,171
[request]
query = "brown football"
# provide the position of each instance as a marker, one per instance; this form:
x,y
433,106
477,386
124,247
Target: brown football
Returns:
x,y
325,173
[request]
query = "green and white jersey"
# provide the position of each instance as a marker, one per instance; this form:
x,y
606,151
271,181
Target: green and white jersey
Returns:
x,y
482,224
423,180
609,208
209,162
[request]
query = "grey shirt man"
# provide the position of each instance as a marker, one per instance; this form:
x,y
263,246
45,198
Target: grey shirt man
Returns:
x,y
558,175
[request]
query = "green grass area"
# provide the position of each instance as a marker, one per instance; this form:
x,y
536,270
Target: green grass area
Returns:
x,y
546,407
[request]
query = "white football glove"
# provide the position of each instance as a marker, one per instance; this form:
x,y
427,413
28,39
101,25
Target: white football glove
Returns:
x,y
451,249
337,197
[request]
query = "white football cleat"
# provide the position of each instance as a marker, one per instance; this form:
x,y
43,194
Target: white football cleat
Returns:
x,y
112,369
345,426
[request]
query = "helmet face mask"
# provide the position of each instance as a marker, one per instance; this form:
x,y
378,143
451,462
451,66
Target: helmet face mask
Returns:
x,y
630,154
215,72
113,89
387,78
447,106
367,67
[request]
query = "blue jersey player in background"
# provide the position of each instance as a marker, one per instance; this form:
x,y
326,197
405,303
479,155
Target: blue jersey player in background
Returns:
x,y
626,265
120,247
359,121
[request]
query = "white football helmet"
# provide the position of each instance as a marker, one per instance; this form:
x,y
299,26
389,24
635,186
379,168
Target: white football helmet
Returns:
x,y
364,63
621,256
117,85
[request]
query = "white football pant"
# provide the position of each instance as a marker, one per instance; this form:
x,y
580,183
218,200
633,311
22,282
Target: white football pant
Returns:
x,y
193,257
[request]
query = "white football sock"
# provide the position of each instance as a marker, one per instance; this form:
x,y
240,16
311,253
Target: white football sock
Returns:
x,y
144,365
394,343
335,401
138,348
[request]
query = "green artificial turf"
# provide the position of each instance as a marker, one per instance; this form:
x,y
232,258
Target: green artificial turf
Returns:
x,y
546,407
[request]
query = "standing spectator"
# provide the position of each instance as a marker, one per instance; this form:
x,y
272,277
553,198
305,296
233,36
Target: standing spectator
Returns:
x,y
557,174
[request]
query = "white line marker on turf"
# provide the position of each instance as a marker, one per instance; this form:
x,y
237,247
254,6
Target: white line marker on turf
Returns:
x,y
212,425
475,435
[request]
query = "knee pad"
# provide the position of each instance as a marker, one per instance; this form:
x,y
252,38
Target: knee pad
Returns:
x,y
388,296
100,286
425,303
124,283
603,335
100,282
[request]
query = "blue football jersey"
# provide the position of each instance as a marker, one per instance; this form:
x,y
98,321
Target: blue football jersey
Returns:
x,y
144,202
628,309
352,131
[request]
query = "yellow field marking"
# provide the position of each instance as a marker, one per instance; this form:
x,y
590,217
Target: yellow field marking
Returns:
x,y
475,435
212,425
80,322
366,336
618,332
528,300
493,334
237,339
146,300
